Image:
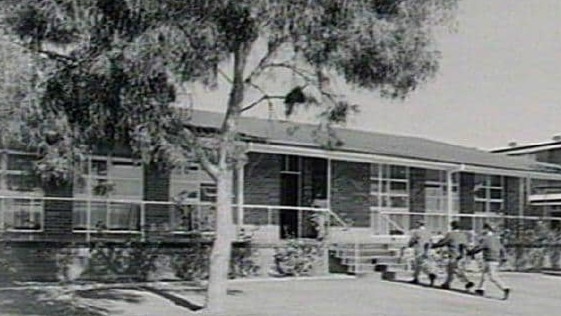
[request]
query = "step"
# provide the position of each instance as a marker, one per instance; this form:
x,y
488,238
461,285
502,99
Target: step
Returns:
x,y
361,268
365,252
386,259
357,260
362,246
396,267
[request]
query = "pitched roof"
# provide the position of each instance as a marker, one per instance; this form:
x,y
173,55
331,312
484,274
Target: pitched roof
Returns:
x,y
356,141
528,149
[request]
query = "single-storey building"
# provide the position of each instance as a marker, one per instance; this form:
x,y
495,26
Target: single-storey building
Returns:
x,y
370,187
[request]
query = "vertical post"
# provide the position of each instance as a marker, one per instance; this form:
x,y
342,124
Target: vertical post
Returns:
x,y
240,194
89,198
328,194
3,168
142,220
522,195
450,200
300,223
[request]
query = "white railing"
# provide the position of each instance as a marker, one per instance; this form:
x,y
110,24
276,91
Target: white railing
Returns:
x,y
94,215
439,222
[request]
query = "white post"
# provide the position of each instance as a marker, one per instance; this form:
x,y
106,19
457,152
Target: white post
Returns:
x,y
142,221
89,199
328,195
449,192
4,167
240,194
522,193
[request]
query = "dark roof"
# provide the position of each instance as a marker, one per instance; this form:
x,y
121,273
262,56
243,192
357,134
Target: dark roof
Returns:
x,y
290,133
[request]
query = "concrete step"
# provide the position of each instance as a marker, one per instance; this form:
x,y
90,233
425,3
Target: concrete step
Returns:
x,y
396,267
386,259
365,246
357,260
366,252
361,268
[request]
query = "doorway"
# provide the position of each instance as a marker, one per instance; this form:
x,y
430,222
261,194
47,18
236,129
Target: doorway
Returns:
x,y
290,196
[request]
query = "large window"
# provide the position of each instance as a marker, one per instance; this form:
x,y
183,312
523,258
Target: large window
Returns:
x,y
20,187
389,196
105,191
488,192
196,191
389,187
436,192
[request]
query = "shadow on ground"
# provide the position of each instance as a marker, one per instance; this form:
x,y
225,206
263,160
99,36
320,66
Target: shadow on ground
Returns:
x,y
438,288
43,303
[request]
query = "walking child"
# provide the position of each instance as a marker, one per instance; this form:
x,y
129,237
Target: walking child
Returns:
x,y
456,243
493,251
420,241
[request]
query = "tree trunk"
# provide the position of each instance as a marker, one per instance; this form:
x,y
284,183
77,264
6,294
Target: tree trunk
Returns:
x,y
222,246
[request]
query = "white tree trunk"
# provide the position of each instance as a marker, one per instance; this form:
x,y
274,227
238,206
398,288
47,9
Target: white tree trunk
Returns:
x,y
222,247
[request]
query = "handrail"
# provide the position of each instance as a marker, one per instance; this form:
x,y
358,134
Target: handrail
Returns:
x,y
338,218
387,218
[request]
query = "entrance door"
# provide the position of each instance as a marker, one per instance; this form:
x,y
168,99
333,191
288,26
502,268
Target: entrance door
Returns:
x,y
289,197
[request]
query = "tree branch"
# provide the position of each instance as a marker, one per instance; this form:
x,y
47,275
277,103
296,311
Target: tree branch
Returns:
x,y
263,98
192,143
50,54
308,77
225,76
271,51
263,92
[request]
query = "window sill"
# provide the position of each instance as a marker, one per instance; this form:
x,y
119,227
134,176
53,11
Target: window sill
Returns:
x,y
22,230
84,231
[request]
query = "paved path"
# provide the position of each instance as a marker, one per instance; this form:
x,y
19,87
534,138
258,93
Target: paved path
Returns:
x,y
533,295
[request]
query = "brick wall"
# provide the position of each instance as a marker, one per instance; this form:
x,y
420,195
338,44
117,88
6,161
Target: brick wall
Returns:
x,y
350,191
156,188
467,200
262,184
512,196
58,214
417,178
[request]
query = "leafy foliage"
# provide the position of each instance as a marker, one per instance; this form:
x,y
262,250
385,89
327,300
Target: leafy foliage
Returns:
x,y
296,258
110,67
110,70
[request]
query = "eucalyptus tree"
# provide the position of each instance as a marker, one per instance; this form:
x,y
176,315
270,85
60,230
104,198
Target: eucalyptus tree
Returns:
x,y
110,69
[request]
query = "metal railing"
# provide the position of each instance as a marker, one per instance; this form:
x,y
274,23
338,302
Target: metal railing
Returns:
x,y
94,215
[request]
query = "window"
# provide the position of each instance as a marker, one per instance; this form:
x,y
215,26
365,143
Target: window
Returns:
x,y
389,192
23,214
108,179
197,192
208,192
436,191
18,178
488,193
290,163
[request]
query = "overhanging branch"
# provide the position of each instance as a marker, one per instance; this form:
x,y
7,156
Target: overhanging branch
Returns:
x,y
271,51
263,98
191,141
308,77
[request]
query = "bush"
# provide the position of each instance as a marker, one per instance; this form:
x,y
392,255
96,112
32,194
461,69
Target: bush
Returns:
x,y
297,258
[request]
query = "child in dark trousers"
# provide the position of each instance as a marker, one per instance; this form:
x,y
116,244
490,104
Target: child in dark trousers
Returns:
x,y
493,251
455,242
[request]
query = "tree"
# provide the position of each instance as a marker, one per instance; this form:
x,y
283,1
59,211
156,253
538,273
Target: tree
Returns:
x,y
110,70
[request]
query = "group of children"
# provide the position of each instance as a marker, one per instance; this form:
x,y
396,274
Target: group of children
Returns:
x,y
457,249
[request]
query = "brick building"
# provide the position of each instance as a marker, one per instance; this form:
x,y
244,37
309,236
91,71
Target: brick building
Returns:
x,y
370,187
378,182
544,198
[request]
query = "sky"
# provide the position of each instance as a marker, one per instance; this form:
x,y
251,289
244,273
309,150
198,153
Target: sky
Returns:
x,y
499,81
